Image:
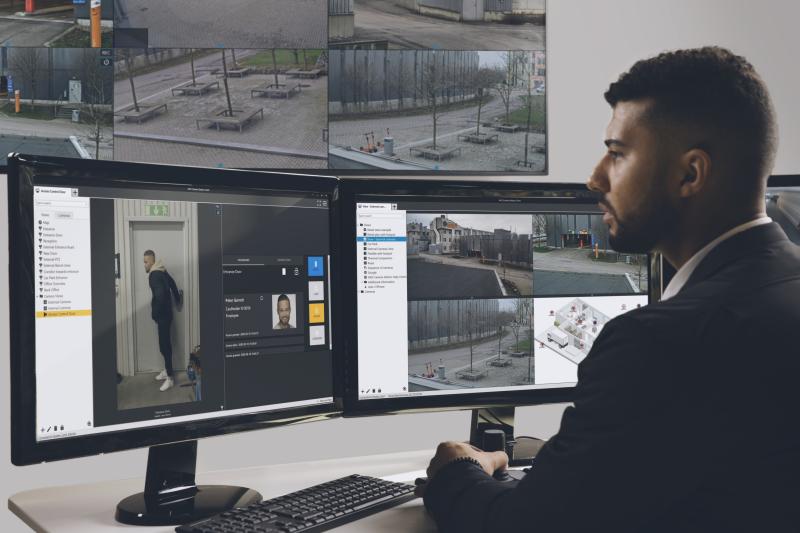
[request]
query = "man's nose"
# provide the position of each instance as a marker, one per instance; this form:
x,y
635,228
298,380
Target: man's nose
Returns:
x,y
598,179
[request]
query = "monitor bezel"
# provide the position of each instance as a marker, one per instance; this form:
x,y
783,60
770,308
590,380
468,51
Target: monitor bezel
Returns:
x,y
24,447
350,189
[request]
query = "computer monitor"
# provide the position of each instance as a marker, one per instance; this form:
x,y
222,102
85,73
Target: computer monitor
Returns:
x,y
156,304
468,294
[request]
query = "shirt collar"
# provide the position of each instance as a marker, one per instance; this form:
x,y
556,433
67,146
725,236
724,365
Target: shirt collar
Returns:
x,y
685,272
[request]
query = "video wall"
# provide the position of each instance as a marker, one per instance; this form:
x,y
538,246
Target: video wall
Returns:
x,y
386,86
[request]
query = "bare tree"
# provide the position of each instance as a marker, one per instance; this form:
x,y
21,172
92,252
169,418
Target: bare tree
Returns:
x,y
96,84
480,82
26,63
509,73
225,83
127,56
275,68
432,84
191,60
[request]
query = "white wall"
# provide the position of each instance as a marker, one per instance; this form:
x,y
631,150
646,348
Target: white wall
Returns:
x,y
589,43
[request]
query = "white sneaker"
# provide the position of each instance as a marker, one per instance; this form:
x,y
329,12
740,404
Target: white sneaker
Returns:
x,y
162,376
168,384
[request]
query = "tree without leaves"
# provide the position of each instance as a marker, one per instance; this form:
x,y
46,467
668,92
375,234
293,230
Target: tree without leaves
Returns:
x,y
480,82
508,75
26,63
95,80
225,83
127,56
431,85
275,68
191,59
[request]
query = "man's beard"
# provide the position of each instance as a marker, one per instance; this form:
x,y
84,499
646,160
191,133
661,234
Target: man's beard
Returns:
x,y
642,231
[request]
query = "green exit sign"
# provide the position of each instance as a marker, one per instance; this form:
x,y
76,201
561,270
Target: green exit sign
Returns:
x,y
156,210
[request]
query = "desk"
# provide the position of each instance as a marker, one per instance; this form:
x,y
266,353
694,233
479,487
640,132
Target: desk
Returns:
x,y
90,508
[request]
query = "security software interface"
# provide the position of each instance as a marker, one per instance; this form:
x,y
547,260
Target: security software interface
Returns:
x,y
783,207
177,304
459,297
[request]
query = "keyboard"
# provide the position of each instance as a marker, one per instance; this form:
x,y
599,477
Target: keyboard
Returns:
x,y
318,508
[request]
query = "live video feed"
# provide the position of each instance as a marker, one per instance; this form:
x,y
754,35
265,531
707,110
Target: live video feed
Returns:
x,y
159,358
505,342
482,255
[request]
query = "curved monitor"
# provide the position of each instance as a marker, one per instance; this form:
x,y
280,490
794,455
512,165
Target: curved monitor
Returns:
x,y
157,304
469,294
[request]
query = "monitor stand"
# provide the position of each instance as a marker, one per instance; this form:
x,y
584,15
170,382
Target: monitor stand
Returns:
x,y
521,450
171,496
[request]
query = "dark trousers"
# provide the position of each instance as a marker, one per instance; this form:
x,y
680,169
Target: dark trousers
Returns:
x,y
165,343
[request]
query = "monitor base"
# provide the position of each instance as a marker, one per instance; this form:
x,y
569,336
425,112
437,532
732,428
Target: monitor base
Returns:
x,y
171,496
208,500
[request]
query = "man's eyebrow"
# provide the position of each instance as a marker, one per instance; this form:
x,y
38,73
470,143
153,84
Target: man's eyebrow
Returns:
x,y
614,142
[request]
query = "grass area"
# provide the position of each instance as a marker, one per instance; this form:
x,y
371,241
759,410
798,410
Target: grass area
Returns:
x,y
28,111
542,249
523,346
79,38
284,58
520,116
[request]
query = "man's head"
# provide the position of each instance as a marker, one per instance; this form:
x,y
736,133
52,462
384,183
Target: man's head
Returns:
x,y
284,310
149,260
692,136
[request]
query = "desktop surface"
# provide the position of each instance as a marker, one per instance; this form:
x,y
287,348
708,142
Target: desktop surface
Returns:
x,y
89,508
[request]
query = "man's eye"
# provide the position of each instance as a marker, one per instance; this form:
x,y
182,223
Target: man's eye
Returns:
x,y
614,155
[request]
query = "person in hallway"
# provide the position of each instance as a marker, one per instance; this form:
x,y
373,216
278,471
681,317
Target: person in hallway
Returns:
x,y
683,417
284,312
164,290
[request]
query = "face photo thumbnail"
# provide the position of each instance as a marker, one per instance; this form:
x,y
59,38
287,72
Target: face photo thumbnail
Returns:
x,y
285,315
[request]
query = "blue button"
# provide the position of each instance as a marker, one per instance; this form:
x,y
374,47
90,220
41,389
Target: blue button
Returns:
x,y
315,267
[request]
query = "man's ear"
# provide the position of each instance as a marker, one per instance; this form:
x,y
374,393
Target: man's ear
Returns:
x,y
696,164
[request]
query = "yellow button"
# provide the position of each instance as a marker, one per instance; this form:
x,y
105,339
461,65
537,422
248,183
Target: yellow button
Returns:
x,y
316,313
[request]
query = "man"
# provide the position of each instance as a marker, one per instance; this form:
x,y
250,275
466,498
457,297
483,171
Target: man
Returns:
x,y
685,412
164,289
284,310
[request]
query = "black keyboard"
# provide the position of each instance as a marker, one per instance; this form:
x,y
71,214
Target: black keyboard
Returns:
x,y
318,508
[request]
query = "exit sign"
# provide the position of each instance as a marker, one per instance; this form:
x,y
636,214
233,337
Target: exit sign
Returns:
x,y
156,210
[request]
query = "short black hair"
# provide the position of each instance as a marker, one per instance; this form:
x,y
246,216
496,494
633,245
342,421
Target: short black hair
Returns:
x,y
281,298
151,253
707,87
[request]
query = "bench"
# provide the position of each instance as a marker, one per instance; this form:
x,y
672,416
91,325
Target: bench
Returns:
x,y
239,72
195,89
146,112
271,90
507,128
439,154
305,74
479,138
239,120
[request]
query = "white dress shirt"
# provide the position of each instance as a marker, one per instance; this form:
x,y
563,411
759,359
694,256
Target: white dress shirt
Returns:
x,y
685,272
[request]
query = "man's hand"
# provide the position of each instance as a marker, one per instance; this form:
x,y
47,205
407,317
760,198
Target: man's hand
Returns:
x,y
448,451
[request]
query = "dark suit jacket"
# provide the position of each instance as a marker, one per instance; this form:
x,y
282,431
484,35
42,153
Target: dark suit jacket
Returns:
x,y
686,416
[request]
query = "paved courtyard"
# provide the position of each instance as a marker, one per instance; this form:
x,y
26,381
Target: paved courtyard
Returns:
x,y
289,136
417,130
383,20
229,24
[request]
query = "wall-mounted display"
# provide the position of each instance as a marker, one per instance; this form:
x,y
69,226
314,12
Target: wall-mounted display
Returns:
x,y
373,87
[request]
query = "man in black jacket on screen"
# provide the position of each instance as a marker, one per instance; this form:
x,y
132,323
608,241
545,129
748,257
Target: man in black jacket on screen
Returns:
x,y
164,290
685,416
